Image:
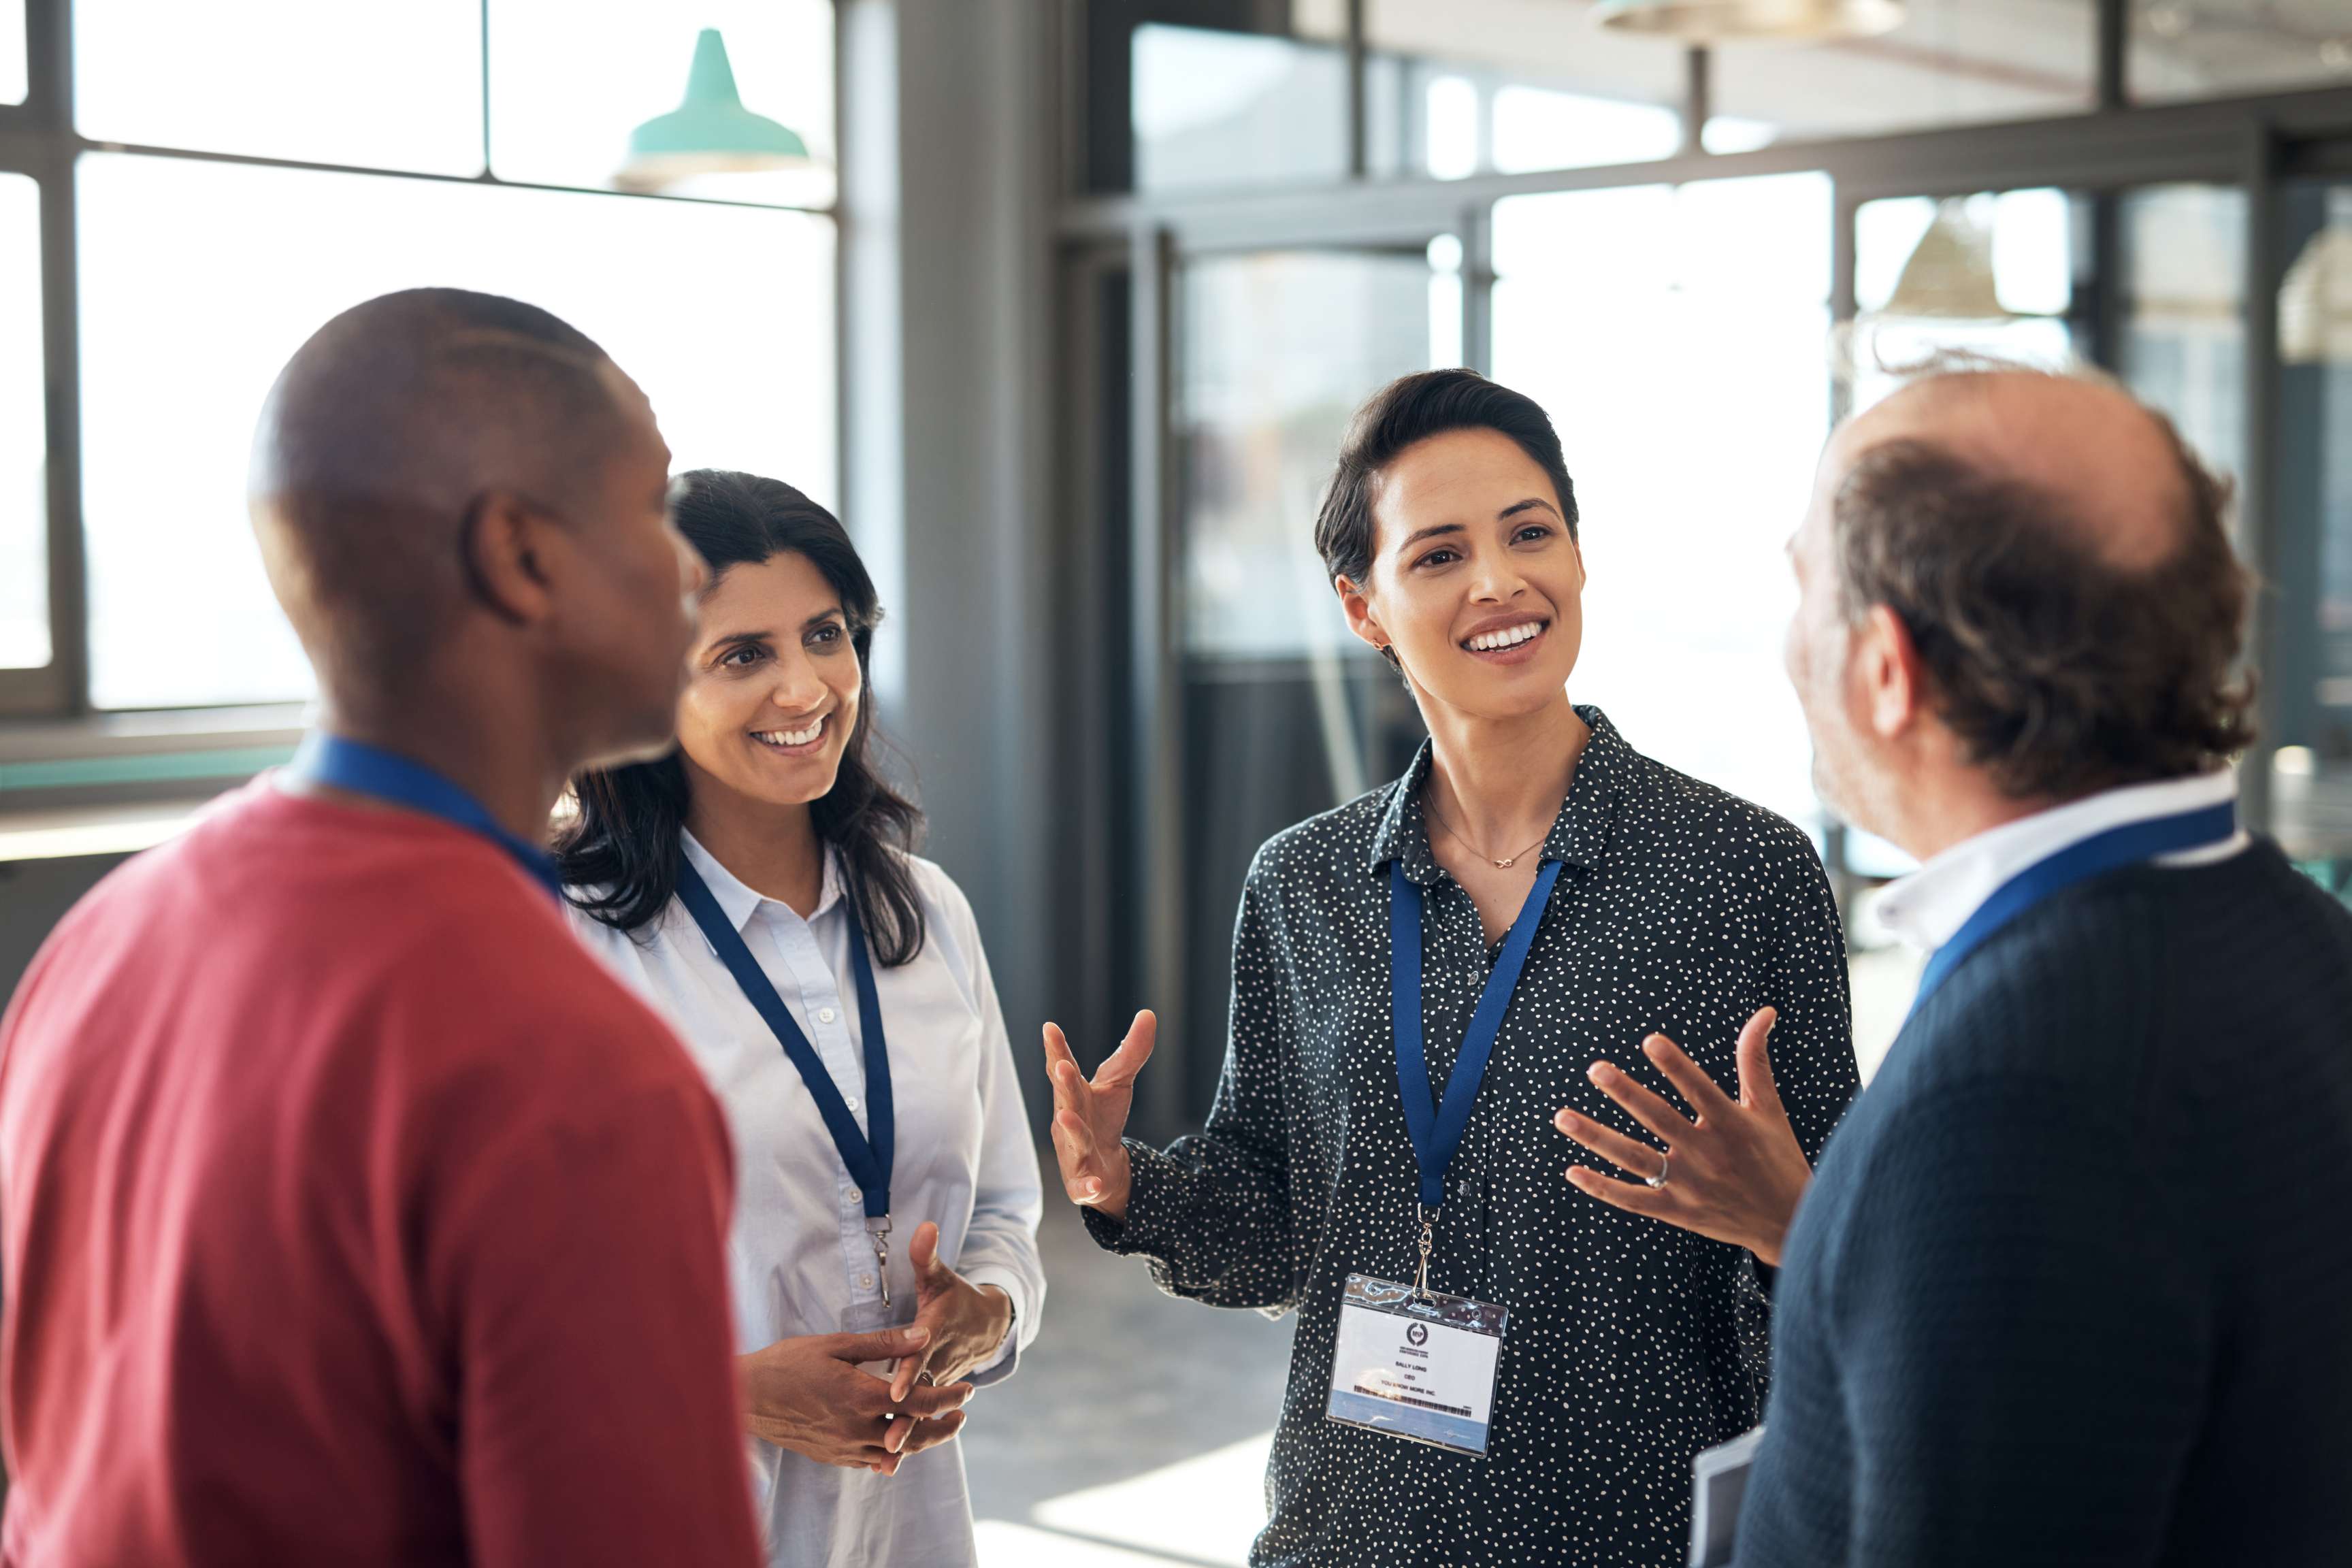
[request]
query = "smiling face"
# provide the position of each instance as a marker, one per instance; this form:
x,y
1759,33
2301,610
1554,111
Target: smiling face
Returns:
x,y
774,688
1474,581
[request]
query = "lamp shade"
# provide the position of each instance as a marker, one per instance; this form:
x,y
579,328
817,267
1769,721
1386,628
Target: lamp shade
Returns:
x,y
2314,304
1732,21
1949,275
711,132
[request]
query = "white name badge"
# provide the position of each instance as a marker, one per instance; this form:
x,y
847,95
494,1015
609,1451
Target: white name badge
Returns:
x,y
1416,1364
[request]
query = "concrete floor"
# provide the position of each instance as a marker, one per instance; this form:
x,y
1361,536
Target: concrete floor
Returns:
x,y
1133,1432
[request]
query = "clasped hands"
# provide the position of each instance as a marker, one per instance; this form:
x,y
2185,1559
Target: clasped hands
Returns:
x,y
1734,1169
809,1394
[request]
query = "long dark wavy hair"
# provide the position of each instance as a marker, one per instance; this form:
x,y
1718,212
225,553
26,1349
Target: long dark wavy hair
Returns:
x,y
619,856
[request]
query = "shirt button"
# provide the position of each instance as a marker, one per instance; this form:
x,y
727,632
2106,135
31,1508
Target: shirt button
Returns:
x,y
825,1015
1465,1189
866,1282
851,1102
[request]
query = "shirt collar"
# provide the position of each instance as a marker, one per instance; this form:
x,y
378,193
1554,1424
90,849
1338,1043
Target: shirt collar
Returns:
x,y
1928,908
1579,835
737,901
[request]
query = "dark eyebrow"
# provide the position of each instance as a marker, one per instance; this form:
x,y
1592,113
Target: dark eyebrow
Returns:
x,y
831,613
1517,507
1417,535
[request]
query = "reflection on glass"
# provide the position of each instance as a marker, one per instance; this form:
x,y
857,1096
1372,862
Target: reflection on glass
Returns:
x,y
1675,337
23,433
2215,48
1278,350
724,315
394,84
571,78
1950,62
11,51
1215,109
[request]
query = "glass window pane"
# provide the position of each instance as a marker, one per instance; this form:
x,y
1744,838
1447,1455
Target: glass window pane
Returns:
x,y
1214,109
2184,337
11,51
1950,62
571,78
1279,349
1508,86
394,84
2217,48
723,314
1652,322
23,433
2312,672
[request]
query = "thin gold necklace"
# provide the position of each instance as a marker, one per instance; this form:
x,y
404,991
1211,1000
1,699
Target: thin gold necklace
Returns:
x,y
1498,865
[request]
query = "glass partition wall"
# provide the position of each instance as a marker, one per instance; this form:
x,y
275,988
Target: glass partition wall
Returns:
x,y
1696,261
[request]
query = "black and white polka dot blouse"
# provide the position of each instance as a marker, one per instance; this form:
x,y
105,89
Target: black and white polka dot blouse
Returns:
x,y
1631,1344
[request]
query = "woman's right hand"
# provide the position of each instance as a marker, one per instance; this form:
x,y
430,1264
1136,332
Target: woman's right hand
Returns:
x,y
808,1394
1089,1116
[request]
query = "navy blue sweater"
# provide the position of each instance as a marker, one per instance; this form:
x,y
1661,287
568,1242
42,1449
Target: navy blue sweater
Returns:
x,y
2073,1283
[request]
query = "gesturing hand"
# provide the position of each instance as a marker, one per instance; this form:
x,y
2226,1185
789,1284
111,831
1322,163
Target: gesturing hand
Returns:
x,y
1088,1117
965,1324
1735,1173
808,1394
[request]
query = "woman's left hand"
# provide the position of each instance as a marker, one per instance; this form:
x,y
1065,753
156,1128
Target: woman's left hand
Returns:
x,y
967,1324
1735,1173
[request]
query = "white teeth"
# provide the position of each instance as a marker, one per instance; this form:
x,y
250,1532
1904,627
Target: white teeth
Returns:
x,y
1509,636
791,737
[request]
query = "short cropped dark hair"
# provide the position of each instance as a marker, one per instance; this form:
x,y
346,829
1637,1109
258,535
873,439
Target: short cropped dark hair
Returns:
x,y
2061,672
1409,410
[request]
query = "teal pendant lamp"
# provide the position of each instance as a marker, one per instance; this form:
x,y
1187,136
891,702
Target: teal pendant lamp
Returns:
x,y
1739,21
710,133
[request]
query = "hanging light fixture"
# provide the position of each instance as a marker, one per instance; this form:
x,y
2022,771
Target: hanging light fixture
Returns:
x,y
2314,303
1734,21
1949,277
711,132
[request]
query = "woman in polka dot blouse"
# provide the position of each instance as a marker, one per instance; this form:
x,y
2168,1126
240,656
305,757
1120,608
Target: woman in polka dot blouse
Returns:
x,y
1450,532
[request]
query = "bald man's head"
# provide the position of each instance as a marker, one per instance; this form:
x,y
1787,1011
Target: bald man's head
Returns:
x,y
439,475
2060,561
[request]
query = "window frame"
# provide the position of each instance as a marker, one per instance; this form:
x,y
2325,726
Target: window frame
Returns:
x,y
47,716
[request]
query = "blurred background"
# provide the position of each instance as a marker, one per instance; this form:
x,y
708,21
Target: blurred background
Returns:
x,y
1063,305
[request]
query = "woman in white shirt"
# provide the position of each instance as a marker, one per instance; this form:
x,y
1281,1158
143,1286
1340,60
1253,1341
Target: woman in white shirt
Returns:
x,y
758,886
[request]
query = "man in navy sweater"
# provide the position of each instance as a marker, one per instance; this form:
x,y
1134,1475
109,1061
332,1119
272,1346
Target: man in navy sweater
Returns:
x,y
2073,1284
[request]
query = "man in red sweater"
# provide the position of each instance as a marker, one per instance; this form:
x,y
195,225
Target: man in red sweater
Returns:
x,y
351,1214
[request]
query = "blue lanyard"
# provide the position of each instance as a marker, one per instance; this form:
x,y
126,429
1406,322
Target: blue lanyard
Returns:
x,y
343,764
867,1155
2118,846
1436,1128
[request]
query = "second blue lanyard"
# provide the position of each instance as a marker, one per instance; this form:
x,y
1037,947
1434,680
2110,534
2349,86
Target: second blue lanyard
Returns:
x,y
866,1154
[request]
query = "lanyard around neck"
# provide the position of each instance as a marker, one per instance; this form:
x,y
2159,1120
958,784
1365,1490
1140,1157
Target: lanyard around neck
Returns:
x,y
2128,845
866,1154
1436,1127
343,764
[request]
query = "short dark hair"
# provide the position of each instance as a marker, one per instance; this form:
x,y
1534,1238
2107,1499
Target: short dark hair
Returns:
x,y
1409,410
619,856
2062,673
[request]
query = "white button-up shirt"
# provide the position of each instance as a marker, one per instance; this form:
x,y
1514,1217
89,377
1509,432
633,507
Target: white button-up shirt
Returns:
x,y
801,1258
1928,908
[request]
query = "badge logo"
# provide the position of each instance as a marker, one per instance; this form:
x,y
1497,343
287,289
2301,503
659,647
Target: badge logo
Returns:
x,y
1417,1334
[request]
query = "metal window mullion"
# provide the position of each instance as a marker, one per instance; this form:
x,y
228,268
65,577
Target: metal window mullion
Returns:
x,y
1157,698
2259,534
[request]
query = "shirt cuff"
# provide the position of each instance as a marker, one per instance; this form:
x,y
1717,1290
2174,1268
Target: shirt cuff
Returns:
x,y
1001,1365
1146,1190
